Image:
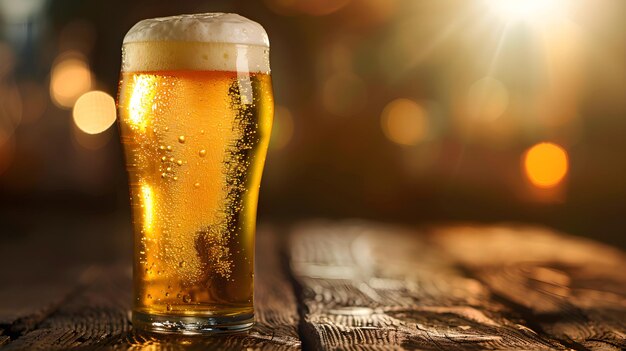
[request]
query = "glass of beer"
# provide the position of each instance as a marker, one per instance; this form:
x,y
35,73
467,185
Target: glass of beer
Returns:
x,y
196,106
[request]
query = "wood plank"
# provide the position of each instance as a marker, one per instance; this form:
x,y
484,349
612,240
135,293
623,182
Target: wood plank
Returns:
x,y
573,289
4,339
375,287
42,261
98,314
95,312
26,305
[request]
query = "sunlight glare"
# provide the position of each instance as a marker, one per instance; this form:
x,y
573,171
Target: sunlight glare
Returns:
x,y
141,100
147,197
515,10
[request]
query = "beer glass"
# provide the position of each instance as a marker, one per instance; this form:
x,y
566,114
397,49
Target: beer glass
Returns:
x,y
196,106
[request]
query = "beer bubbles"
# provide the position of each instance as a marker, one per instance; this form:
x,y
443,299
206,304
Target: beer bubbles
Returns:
x,y
196,108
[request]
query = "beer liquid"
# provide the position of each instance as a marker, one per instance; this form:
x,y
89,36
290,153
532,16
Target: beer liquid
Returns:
x,y
195,145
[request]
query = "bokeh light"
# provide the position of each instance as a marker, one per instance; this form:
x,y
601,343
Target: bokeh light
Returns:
x,y
70,79
282,129
545,164
487,99
404,122
94,112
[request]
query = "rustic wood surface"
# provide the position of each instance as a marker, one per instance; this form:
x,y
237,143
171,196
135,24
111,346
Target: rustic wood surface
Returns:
x,y
94,314
349,285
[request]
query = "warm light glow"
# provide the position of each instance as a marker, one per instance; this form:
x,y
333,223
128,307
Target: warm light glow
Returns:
x,y
147,203
94,112
487,99
404,122
84,141
343,94
512,10
282,129
7,150
70,79
141,100
315,8
34,101
545,164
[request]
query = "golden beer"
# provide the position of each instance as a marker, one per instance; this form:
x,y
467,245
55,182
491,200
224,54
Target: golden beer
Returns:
x,y
195,119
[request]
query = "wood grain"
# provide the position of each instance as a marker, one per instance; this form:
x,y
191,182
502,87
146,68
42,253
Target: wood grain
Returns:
x,y
358,286
571,288
369,287
97,314
4,339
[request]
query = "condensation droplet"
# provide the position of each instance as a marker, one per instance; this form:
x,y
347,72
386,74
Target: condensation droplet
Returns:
x,y
175,178
182,264
149,296
169,148
171,159
181,139
169,307
163,159
187,299
163,175
202,153
179,162
169,169
197,185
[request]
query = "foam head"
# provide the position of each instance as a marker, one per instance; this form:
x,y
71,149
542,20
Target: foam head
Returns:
x,y
207,41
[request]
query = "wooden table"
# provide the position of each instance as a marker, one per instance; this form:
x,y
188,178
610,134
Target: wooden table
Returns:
x,y
362,286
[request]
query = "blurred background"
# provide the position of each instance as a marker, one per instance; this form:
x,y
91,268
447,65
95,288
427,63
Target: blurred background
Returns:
x,y
405,111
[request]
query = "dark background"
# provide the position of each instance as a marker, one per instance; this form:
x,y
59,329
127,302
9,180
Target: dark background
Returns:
x,y
338,66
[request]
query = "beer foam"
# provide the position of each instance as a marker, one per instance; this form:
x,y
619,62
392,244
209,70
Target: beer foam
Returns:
x,y
207,41
200,27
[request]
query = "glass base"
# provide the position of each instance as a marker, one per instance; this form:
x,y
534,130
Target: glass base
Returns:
x,y
192,325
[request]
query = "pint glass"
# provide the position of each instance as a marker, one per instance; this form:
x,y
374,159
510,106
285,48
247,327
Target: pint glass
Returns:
x,y
195,105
